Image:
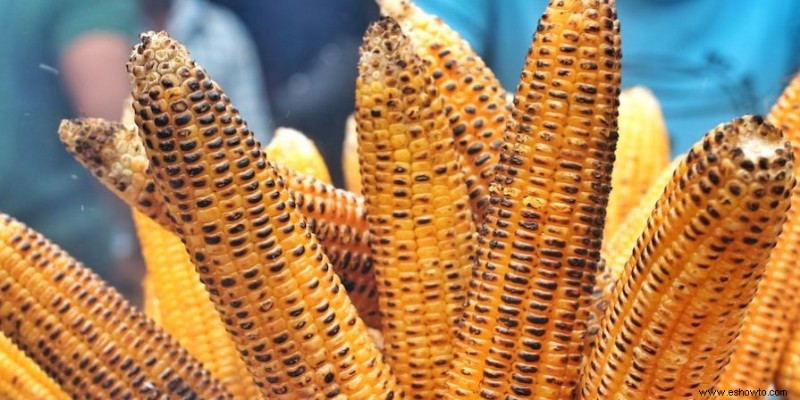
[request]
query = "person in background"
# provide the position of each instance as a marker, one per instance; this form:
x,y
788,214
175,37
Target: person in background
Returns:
x,y
706,61
220,43
309,51
62,59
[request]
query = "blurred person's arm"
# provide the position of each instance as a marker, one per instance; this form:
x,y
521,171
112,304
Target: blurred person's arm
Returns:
x,y
472,19
93,39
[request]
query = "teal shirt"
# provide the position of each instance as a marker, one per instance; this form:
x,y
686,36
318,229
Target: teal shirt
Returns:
x,y
40,183
707,61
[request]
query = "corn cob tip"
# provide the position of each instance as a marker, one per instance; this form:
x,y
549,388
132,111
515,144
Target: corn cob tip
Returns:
x,y
395,8
385,48
758,140
154,49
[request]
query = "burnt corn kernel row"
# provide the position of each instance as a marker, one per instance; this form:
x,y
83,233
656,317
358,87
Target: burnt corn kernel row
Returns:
x,y
769,318
681,300
83,333
115,155
21,378
642,153
185,310
526,320
274,288
474,100
619,243
423,237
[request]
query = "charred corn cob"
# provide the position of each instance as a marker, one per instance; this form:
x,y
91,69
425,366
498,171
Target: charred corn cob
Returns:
x,y
285,308
116,156
292,149
185,309
22,378
82,332
350,166
619,244
766,329
526,320
642,153
475,102
680,302
788,373
423,237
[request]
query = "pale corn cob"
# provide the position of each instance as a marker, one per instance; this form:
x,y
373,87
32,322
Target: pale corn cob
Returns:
x,y
423,238
350,166
21,378
526,320
680,302
283,305
83,333
292,149
115,155
475,102
619,244
642,153
150,301
788,373
767,325
185,309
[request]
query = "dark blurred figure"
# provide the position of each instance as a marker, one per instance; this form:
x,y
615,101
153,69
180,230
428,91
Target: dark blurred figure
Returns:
x,y
218,40
62,59
309,51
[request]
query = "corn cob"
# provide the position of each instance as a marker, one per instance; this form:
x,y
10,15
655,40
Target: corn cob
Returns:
x,y
187,313
116,156
642,153
526,320
151,307
22,378
82,332
284,307
619,245
777,303
680,302
475,102
423,237
350,166
788,373
292,149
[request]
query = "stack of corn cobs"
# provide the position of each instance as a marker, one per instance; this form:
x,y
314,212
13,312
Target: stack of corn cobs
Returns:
x,y
473,246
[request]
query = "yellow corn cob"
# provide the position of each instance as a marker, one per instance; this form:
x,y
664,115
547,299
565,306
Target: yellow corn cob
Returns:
x,y
185,310
526,320
475,103
423,237
642,153
21,378
283,305
292,149
82,332
766,329
151,307
680,302
115,155
788,374
350,166
619,244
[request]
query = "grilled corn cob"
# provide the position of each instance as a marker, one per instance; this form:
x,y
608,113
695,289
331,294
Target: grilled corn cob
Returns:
x,y
283,305
350,166
642,153
680,302
618,246
292,149
417,206
22,378
82,332
475,102
116,156
526,319
185,309
766,329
